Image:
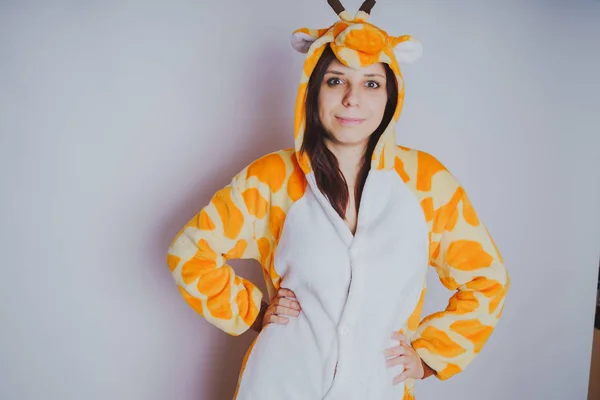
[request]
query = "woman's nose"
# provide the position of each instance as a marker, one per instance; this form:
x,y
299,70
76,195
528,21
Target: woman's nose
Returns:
x,y
351,98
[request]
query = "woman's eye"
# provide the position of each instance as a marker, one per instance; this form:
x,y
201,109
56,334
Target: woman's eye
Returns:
x,y
373,84
334,81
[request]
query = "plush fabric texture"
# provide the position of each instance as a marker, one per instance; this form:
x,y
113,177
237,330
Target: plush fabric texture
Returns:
x,y
355,290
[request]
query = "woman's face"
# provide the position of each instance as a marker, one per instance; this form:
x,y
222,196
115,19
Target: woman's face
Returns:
x,y
352,102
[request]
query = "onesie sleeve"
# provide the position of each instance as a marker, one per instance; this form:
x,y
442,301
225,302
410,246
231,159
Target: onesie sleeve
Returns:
x,y
468,263
198,255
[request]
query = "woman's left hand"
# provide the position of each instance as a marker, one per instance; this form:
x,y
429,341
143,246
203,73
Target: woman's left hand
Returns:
x,y
404,354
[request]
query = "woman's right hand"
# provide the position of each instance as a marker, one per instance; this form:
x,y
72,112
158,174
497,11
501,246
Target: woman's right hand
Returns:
x,y
283,305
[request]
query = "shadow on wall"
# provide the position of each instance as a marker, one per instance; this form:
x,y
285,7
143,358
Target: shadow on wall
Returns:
x,y
270,130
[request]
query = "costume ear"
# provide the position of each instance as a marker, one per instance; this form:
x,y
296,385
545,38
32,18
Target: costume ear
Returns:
x,y
303,38
407,49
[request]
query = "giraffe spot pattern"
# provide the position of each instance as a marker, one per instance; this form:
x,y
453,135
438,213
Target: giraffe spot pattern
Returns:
x,y
173,261
238,250
448,371
215,285
297,182
473,330
204,260
428,166
229,213
246,307
256,204
467,255
195,303
489,287
439,342
413,320
270,170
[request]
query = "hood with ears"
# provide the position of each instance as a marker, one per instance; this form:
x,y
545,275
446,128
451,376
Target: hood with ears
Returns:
x,y
357,44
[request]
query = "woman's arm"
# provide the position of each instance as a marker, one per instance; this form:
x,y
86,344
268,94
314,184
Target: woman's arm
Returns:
x,y
468,263
198,255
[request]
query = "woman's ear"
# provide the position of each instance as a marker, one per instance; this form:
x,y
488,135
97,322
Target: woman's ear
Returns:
x,y
303,38
406,48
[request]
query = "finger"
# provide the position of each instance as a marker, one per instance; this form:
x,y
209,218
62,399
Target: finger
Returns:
x,y
394,351
283,292
280,310
289,303
400,378
401,360
276,319
399,337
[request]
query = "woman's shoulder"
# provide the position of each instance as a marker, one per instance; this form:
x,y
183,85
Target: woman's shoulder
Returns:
x,y
422,170
275,169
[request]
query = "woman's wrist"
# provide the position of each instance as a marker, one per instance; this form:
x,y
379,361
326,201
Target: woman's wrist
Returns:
x,y
257,325
428,371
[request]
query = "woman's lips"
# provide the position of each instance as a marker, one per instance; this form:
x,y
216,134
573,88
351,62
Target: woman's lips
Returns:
x,y
350,121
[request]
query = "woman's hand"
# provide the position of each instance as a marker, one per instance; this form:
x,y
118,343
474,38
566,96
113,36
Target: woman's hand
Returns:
x,y
283,305
405,355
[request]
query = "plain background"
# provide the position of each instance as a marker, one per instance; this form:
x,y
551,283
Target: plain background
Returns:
x,y
119,120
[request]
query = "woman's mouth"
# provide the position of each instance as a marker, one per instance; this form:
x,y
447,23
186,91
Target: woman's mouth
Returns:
x,y
350,121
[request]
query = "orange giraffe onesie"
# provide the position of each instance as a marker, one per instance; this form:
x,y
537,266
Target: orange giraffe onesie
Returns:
x,y
354,289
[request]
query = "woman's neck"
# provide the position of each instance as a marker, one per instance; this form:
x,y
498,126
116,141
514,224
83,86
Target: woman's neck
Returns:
x,y
350,159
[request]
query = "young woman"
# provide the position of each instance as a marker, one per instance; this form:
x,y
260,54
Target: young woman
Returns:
x,y
345,225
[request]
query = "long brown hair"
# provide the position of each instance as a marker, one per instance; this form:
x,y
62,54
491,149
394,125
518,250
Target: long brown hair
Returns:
x,y
328,175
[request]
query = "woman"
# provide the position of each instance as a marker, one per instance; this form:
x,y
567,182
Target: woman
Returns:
x,y
344,225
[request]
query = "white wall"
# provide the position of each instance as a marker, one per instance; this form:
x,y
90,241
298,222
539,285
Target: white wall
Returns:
x,y
118,120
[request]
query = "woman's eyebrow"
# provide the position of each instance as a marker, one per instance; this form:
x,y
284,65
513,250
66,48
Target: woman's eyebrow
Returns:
x,y
373,75
336,72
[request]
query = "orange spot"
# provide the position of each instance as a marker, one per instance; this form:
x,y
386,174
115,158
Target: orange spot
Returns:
x,y
204,260
201,221
450,370
428,166
255,202
270,170
195,303
427,206
467,255
368,42
312,60
276,221
473,330
488,287
438,342
247,310
204,221
264,247
339,28
399,167
215,285
447,215
214,281
193,268
299,112
434,248
231,216
413,320
407,394
381,160
462,302
237,251
220,306
296,182
469,212
496,300
172,261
